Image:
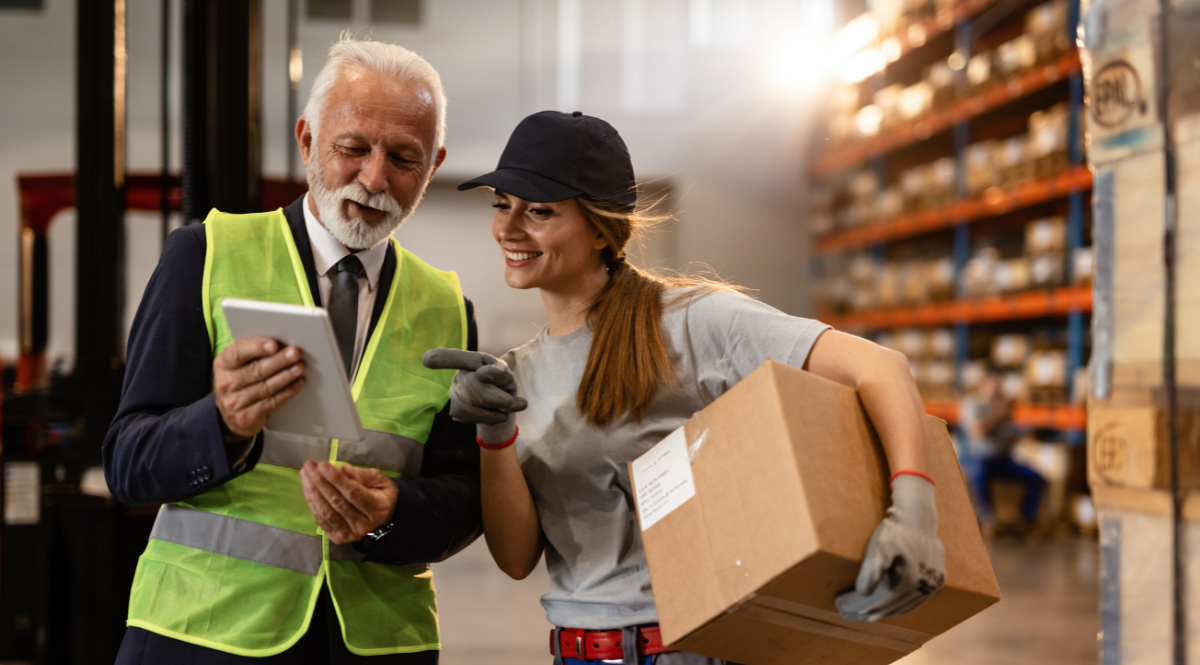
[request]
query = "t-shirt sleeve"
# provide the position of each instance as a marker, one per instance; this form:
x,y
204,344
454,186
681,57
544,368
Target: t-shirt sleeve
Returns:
x,y
731,335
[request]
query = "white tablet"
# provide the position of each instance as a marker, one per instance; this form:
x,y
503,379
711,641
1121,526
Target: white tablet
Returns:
x,y
324,406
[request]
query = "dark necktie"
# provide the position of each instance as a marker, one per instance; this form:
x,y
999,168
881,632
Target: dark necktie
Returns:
x,y
343,306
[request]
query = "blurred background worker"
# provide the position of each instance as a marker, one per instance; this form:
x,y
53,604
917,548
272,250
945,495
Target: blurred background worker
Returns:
x,y
986,419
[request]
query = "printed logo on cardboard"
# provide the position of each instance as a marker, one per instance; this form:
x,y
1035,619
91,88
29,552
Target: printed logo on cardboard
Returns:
x,y
1109,453
1121,82
1117,94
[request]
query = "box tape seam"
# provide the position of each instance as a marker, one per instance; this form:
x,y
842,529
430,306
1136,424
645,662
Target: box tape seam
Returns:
x,y
764,614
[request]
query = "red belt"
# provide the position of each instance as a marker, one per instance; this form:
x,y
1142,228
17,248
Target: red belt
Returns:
x,y
605,644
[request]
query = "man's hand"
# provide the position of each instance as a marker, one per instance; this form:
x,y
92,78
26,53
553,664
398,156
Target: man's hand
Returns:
x,y
905,562
252,378
347,502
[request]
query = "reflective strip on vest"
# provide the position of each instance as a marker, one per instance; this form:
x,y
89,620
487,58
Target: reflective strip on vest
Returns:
x,y
241,539
381,450
292,450
384,450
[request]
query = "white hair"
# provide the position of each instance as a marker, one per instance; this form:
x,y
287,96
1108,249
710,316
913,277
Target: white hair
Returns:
x,y
389,60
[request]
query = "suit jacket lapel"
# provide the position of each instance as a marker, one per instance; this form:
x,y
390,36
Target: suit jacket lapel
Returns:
x,y
295,218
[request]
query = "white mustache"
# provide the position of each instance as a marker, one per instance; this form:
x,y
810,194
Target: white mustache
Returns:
x,y
379,201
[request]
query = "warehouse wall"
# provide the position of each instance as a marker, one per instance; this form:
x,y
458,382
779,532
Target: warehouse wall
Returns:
x,y
687,82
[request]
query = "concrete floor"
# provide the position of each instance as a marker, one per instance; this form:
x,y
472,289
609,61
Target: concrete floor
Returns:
x,y
1048,612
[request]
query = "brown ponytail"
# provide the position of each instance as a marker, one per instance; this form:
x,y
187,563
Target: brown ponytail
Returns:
x,y
628,362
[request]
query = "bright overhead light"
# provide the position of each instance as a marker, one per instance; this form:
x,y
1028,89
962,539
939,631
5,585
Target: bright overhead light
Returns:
x,y
862,65
868,120
891,49
295,67
855,36
799,64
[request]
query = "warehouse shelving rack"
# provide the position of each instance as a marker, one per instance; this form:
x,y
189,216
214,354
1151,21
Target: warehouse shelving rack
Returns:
x,y
968,20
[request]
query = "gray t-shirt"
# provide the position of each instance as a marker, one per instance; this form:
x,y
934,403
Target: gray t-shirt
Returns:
x,y
577,471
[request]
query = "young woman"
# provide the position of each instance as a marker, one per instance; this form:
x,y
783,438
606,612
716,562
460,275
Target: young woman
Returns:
x,y
625,359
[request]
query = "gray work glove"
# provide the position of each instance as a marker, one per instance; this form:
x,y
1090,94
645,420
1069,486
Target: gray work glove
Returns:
x,y
905,563
484,391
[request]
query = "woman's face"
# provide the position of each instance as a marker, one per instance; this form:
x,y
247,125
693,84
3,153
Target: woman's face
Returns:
x,y
549,246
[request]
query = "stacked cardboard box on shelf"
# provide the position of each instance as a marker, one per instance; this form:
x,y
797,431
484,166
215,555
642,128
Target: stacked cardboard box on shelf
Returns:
x,y
1129,463
1044,39
859,197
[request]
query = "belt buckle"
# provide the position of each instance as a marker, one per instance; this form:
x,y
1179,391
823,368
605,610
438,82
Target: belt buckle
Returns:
x,y
564,641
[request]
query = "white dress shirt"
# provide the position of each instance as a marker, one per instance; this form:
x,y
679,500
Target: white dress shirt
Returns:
x,y
327,251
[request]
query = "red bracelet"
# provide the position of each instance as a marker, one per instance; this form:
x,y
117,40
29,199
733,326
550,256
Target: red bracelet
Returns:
x,y
498,446
907,473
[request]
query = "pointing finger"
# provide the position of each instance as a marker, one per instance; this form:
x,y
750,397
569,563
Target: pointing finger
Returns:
x,y
443,358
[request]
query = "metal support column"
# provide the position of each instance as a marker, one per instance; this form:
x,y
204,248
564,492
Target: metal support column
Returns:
x,y
222,107
100,224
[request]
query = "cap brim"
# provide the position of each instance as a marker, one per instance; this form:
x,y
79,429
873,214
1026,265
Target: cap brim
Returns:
x,y
524,184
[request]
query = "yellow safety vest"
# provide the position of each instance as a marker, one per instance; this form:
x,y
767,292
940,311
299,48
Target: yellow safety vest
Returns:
x,y
238,568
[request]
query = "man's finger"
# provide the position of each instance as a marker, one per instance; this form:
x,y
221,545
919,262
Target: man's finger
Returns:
x,y
280,398
348,487
263,408
284,377
369,478
264,368
242,351
326,517
340,499
443,358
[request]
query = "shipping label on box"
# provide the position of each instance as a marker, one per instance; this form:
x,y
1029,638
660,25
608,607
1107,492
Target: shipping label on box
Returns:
x,y
662,479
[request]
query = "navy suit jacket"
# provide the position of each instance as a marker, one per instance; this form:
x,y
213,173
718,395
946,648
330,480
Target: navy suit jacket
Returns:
x,y
165,443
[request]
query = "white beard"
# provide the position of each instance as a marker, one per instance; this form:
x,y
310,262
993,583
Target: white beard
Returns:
x,y
353,233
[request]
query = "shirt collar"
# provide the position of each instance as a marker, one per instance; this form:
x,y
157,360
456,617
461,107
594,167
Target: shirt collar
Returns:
x,y
327,250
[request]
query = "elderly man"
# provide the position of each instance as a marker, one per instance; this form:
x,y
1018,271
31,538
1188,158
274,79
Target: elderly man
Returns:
x,y
289,548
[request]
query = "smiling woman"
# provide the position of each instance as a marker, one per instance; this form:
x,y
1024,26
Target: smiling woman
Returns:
x,y
627,358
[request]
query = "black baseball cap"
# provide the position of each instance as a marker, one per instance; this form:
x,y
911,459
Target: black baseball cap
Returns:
x,y
552,156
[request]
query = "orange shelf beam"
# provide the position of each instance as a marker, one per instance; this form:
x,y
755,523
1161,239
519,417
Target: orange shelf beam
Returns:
x,y
993,202
1058,416
947,411
1064,417
1028,305
936,121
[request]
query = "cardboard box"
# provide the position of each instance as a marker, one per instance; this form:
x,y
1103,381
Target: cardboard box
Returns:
x,y
1129,282
1046,369
789,482
1128,444
1046,235
1137,587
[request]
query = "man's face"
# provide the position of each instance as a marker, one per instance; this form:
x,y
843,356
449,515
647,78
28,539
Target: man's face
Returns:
x,y
372,156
